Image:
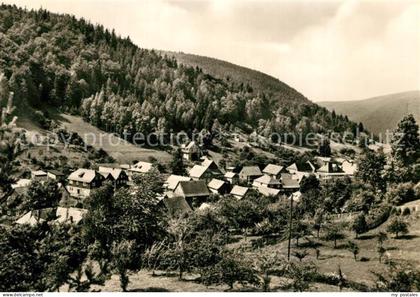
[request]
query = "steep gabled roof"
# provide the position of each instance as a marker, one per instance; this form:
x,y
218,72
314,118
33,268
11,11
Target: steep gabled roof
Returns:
x,y
34,217
176,205
273,169
207,163
59,214
230,174
267,180
302,167
194,188
268,191
216,184
173,181
29,219
70,214
239,191
197,171
115,172
251,171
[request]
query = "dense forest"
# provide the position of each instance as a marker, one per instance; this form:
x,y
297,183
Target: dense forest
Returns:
x,y
75,66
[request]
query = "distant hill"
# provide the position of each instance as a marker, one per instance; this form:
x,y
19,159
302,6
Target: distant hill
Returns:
x,y
380,113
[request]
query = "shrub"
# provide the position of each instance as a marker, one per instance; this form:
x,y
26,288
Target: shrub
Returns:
x,y
41,119
232,268
359,225
397,226
378,216
401,194
406,212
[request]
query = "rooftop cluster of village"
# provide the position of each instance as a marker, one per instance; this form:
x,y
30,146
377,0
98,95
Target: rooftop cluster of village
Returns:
x,y
184,193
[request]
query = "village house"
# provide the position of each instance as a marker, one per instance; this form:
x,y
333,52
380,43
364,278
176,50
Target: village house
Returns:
x,y
206,171
195,192
58,215
176,206
198,172
269,192
349,167
191,151
239,192
290,185
212,168
231,177
218,186
23,182
267,182
37,216
332,168
274,171
249,173
39,175
117,176
70,215
299,170
55,175
83,181
139,168
173,181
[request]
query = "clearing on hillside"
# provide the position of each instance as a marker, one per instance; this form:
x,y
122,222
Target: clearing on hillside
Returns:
x,y
121,150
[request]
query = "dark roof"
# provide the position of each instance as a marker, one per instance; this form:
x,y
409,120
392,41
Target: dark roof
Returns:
x,y
194,188
55,172
176,206
301,167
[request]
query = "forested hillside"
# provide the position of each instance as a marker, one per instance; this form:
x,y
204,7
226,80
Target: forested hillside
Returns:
x,y
258,80
58,60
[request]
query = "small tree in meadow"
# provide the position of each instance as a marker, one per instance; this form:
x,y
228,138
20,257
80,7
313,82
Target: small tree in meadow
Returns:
x,y
381,252
267,263
335,233
301,254
353,248
381,237
231,269
301,276
397,227
123,255
359,225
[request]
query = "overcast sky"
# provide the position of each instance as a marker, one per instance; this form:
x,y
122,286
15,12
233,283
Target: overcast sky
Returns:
x,y
328,50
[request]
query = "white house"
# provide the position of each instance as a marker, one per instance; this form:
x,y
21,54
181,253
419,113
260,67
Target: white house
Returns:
x,y
83,181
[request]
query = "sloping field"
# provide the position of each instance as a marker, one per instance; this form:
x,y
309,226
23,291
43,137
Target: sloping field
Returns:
x,y
121,150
